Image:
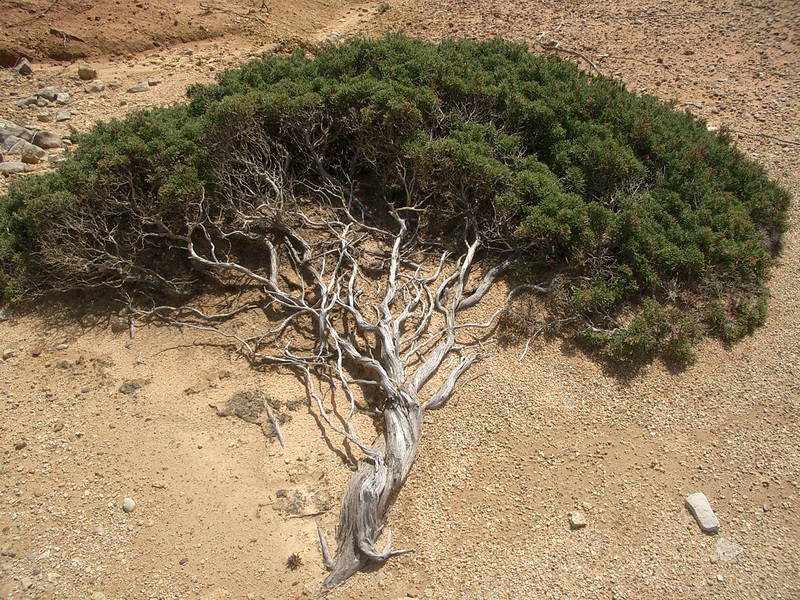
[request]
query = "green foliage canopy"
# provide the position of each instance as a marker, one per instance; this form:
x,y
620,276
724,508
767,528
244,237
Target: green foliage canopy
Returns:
x,y
666,230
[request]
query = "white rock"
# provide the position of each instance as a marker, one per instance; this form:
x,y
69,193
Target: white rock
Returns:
x,y
128,505
698,505
727,550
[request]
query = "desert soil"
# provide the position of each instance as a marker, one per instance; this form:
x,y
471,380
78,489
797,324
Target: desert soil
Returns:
x,y
90,416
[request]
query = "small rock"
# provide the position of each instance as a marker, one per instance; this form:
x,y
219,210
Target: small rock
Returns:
x,y
99,531
30,156
8,550
63,115
114,84
26,583
380,576
44,117
49,93
24,67
129,387
98,596
62,347
63,98
38,492
128,505
26,101
698,505
183,561
727,550
139,87
97,86
42,102
153,81
87,73
20,445
334,37
58,426
577,520
9,352
47,139
412,593
52,577
159,485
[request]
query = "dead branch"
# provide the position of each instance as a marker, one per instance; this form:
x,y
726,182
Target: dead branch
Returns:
x,y
271,416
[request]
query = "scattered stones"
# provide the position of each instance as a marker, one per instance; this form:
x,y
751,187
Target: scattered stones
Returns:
x,y
727,550
87,73
128,505
577,520
139,87
24,67
698,505
11,144
47,139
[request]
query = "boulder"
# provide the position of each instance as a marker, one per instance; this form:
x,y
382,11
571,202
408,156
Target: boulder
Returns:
x,y
87,73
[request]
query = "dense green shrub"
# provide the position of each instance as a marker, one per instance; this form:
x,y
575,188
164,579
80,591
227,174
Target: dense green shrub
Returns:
x,y
666,230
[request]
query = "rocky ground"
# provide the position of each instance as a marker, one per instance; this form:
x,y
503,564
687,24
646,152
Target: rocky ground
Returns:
x,y
91,415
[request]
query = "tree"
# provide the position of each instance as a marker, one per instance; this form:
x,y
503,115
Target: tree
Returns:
x,y
365,201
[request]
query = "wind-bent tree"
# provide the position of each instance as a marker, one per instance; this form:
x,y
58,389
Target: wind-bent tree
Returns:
x,y
366,199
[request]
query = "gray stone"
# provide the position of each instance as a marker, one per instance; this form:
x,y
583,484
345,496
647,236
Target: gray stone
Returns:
x,y
63,98
727,550
44,117
139,87
49,93
97,86
10,128
14,145
30,100
48,139
128,505
698,505
87,73
10,168
42,102
63,115
24,67
153,81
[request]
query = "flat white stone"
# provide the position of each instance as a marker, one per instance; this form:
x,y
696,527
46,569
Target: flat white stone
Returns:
x,y
698,505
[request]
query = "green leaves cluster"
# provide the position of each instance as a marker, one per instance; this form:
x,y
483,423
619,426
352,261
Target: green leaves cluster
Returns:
x,y
667,229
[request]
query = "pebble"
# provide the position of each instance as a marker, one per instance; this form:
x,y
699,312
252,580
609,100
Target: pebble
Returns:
x,y
97,86
380,576
62,347
698,505
8,550
98,596
128,505
139,87
87,73
44,117
153,81
63,98
26,583
9,352
577,520
412,593
64,115
21,445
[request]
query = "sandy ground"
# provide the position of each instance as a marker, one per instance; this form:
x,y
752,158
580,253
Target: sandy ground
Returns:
x,y
99,416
